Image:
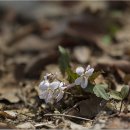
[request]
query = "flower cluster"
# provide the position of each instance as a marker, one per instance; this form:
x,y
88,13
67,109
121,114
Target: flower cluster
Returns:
x,y
53,90
84,75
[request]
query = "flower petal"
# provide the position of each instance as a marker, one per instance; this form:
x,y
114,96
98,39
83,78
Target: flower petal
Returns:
x,y
44,85
78,80
80,70
54,85
89,72
43,95
88,67
60,96
49,98
84,83
61,84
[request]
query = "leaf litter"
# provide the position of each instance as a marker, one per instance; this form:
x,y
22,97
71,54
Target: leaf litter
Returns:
x,y
29,48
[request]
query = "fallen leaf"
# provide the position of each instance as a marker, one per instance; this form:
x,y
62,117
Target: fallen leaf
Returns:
x,y
48,124
36,65
74,126
34,44
53,68
8,114
117,123
106,62
11,113
6,126
81,54
26,125
9,96
88,108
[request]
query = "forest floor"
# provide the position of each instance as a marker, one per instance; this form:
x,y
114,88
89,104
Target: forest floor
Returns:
x,y
95,34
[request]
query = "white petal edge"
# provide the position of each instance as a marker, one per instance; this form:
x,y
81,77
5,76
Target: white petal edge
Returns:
x,y
44,85
49,98
60,96
54,85
80,70
84,83
88,67
43,95
89,72
78,81
61,84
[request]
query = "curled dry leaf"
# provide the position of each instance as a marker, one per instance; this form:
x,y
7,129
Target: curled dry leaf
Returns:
x,y
88,108
8,114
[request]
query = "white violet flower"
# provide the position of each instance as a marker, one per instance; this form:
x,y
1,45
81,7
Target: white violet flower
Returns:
x,y
82,80
51,91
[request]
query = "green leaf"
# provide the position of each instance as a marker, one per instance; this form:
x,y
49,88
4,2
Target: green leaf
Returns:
x,y
99,91
89,88
115,95
71,75
64,59
124,91
120,95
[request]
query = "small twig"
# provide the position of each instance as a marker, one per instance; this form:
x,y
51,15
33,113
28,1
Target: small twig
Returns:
x,y
43,124
118,113
76,117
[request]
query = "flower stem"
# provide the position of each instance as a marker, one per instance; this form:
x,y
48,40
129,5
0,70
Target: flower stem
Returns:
x,y
70,86
121,106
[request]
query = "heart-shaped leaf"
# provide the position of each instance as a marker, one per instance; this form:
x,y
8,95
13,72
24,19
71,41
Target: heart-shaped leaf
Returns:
x,y
124,91
120,95
115,95
100,91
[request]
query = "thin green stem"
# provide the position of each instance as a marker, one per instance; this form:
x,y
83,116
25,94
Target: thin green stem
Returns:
x,y
121,106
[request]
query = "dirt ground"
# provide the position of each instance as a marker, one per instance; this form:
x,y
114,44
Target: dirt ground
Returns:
x,y
95,33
